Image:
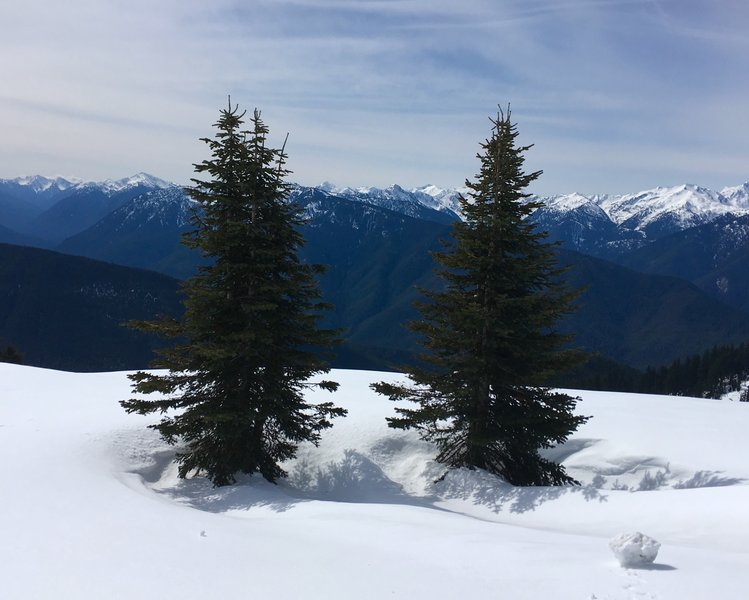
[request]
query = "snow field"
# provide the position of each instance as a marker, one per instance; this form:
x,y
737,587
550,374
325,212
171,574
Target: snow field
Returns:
x,y
90,506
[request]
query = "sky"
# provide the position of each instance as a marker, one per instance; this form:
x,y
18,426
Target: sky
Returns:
x,y
616,96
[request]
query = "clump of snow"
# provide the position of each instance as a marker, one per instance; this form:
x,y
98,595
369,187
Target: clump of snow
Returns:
x,y
634,549
738,395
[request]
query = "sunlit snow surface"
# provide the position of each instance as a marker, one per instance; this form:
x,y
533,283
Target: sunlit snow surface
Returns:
x,y
91,508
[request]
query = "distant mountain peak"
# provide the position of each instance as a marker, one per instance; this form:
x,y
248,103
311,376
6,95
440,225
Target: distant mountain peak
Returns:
x,y
139,179
737,195
40,183
668,208
566,202
413,203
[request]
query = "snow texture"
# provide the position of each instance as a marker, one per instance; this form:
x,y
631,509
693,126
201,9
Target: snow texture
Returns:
x,y
91,506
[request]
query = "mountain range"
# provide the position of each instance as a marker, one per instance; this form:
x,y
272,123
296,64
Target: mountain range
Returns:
x,y
663,271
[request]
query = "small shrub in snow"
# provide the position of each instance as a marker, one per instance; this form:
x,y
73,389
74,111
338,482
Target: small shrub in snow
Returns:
x,y
634,549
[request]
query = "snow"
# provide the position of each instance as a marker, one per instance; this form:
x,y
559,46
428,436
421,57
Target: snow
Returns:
x,y
40,184
735,395
672,208
567,202
139,179
440,198
687,205
737,195
91,506
171,206
399,199
679,207
634,549
577,203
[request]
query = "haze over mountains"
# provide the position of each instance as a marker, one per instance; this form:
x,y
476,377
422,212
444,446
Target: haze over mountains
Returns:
x,y
665,269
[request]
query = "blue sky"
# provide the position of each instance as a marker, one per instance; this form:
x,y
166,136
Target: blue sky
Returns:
x,y
616,95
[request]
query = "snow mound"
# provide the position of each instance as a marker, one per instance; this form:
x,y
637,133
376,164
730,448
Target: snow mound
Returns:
x,y
634,549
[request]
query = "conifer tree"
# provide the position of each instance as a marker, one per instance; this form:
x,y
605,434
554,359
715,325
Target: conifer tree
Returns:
x,y
11,355
249,341
489,334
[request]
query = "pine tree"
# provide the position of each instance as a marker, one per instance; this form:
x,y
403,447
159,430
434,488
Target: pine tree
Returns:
x,y
249,341
489,334
11,355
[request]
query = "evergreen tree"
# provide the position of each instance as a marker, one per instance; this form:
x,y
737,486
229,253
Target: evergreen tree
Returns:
x,y
248,342
11,355
489,333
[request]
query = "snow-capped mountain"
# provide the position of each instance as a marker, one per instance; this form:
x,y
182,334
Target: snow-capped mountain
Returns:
x,y
603,225
580,223
444,199
39,183
650,213
168,206
442,204
738,194
377,256
52,209
668,209
114,186
144,232
23,198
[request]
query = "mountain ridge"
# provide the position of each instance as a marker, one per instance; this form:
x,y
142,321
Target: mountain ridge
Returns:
x,y
378,245
688,204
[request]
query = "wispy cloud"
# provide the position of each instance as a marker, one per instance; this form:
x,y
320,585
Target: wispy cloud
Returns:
x,y
380,91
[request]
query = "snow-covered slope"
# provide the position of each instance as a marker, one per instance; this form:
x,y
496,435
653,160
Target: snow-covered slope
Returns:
x,y
586,210
665,210
650,212
438,206
582,224
91,507
738,195
39,183
114,186
170,206
444,199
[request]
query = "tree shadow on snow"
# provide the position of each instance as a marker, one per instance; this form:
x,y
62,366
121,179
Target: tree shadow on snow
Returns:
x,y
488,490
249,492
353,479
485,489
160,477
703,479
